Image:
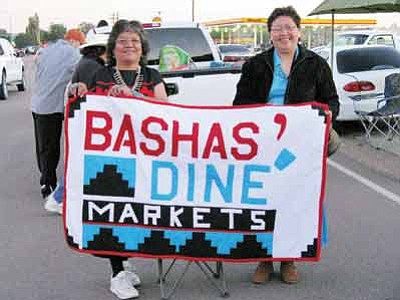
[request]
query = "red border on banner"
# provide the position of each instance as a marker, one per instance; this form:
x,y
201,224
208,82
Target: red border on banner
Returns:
x,y
317,258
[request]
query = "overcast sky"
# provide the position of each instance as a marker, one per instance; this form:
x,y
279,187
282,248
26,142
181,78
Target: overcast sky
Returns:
x,y
14,13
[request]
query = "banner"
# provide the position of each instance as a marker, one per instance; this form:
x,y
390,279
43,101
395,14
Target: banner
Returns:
x,y
202,183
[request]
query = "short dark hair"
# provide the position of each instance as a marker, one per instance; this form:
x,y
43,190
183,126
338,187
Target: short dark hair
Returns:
x,y
127,26
287,11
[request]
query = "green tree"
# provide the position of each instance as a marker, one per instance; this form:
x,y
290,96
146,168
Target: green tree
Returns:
x,y
56,31
44,36
85,27
4,34
33,29
22,40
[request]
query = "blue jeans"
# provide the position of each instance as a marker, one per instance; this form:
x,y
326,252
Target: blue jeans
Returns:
x,y
324,235
59,191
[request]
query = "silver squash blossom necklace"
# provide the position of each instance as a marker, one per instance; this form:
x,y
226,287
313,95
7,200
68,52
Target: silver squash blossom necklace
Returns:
x,y
137,85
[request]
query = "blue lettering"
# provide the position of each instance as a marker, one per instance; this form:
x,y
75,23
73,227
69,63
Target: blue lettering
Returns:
x,y
212,176
191,178
248,184
156,166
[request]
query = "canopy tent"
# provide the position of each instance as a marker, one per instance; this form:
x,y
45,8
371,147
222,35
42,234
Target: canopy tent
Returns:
x,y
354,7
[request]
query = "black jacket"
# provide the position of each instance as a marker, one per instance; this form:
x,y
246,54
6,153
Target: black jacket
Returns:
x,y
310,79
87,66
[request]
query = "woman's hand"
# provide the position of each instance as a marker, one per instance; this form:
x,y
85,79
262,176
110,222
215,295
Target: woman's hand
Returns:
x,y
119,90
77,89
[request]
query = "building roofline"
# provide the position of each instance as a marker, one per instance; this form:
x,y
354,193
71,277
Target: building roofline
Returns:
x,y
305,21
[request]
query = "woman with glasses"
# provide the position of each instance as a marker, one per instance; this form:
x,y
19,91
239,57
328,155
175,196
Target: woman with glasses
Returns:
x,y
126,74
286,73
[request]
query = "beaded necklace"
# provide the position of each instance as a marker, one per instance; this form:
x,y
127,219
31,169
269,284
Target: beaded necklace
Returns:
x,y
136,85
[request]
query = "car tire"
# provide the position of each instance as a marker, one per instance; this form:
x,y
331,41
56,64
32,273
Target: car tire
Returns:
x,y
22,85
3,87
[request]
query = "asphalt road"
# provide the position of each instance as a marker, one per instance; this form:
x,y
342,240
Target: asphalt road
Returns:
x,y
361,262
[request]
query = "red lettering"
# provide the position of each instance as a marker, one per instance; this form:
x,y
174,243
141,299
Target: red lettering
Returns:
x,y
177,137
245,141
153,136
91,130
217,136
126,127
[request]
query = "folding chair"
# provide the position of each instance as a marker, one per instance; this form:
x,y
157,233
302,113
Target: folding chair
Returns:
x,y
385,118
212,275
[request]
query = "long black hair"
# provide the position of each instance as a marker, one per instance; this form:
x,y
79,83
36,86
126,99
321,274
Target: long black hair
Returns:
x,y
127,26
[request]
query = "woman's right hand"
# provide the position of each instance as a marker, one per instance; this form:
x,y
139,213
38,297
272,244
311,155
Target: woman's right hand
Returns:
x,y
119,90
77,89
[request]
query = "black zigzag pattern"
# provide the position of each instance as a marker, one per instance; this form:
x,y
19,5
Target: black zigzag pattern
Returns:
x,y
109,183
70,241
321,112
311,250
198,246
76,105
156,244
105,240
250,248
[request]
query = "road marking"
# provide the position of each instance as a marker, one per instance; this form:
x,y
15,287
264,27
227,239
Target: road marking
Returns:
x,y
368,183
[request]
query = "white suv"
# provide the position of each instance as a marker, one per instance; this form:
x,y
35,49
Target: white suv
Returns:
x,y
11,69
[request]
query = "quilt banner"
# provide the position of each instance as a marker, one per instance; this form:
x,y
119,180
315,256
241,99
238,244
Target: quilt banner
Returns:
x,y
158,180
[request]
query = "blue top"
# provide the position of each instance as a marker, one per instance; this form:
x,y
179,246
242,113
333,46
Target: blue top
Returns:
x,y
277,97
279,82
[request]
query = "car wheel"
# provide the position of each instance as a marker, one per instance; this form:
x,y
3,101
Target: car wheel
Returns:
x,y
3,87
21,86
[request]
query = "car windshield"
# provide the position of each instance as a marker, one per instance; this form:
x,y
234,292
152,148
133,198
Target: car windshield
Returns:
x,y
367,59
234,48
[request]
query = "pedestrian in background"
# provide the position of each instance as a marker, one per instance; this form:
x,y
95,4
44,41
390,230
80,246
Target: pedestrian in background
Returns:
x,y
287,73
54,67
93,58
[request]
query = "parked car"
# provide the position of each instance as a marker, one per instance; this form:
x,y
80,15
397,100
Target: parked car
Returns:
x,y
235,52
19,52
11,69
31,50
359,73
350,38
364,37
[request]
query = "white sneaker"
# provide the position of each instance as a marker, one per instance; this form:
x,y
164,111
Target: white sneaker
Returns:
x,y
52,206
133,277
128,266
121,286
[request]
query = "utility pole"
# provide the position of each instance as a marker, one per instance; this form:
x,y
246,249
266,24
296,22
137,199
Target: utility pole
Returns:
x,y
192,10
114,17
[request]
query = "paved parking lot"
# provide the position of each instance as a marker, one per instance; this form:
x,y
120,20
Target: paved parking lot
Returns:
x,y
377,153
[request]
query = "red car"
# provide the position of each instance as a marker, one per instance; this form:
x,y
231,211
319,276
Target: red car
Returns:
x,y
234,52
